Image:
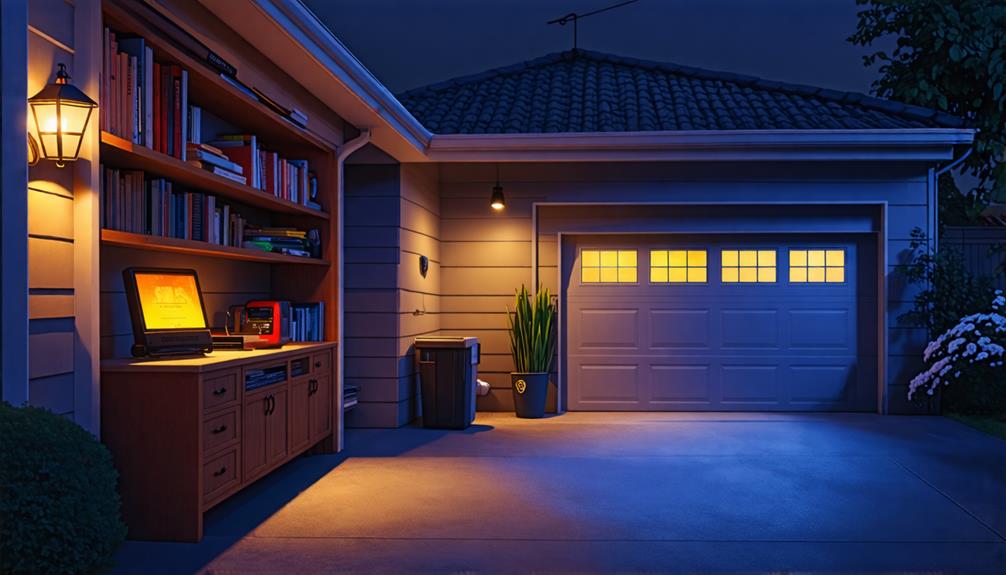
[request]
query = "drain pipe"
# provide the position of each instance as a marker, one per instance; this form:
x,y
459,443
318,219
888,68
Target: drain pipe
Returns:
x,y
936,191
343,152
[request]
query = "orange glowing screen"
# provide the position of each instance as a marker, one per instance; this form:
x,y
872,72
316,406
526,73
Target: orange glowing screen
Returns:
x,y
169,301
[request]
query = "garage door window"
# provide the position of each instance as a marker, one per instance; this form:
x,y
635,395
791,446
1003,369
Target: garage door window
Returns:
x,y
678,266
748,266
608,266
816,266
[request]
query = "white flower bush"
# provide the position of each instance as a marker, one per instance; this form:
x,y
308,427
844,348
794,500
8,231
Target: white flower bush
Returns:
x,y
975,343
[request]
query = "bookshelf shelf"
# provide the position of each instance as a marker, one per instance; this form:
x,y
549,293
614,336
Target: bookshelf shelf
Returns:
x,y
208,89
121,153
162,244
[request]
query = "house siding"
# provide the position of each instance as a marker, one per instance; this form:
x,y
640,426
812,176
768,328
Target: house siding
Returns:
x,y
486,255
392,218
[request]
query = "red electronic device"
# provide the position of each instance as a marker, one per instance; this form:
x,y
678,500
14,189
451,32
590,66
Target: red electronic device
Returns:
x,y
268,319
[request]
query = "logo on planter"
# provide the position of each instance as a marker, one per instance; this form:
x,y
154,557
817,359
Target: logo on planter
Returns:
x,y
520,385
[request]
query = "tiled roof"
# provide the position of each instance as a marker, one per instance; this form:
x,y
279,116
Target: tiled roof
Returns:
x,y
583,91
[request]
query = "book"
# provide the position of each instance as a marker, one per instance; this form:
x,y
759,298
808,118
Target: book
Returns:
x,y
204,157
222,172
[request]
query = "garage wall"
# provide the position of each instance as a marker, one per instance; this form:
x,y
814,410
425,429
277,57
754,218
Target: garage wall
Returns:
x,y
392,217
486,255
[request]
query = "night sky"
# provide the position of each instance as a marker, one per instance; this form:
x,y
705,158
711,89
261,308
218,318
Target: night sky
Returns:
x,y
412,43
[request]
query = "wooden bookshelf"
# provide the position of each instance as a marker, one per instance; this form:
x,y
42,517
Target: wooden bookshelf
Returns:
x,y
209,90
121,153
197,248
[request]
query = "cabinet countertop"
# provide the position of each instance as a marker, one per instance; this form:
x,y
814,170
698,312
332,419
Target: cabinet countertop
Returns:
x,y
211,361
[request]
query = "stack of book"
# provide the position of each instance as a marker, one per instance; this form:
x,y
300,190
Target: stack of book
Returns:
x,y
154,207
291,180
213,159
307,321
256,378
289,241
144,101
350,395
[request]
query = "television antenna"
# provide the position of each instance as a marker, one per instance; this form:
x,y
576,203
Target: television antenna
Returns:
x,y
575,18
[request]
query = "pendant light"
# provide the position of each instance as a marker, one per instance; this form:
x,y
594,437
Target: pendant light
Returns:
x,y
497,202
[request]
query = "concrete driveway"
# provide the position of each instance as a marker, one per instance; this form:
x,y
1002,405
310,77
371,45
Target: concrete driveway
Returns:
x,y
621,492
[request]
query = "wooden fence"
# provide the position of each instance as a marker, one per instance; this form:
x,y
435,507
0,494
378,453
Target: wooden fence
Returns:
x,y
984,250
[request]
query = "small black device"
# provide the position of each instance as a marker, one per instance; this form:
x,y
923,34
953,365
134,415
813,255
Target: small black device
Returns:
x,y
167,312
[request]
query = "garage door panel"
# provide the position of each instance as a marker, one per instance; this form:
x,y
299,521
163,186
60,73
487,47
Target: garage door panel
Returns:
x,y
679,328
822,329
608,383
608,328
708,345
750,328
822,383
749,384
680,384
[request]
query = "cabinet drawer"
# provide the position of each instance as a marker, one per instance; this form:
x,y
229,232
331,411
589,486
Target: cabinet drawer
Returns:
x,y
321,362
220,474
220,389
220,430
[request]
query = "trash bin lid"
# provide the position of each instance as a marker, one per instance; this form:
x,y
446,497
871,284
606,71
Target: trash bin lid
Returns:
x,y
448,341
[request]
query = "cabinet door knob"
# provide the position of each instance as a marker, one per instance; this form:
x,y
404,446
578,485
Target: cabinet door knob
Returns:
x,y
317,364
220,429
220,471
220,391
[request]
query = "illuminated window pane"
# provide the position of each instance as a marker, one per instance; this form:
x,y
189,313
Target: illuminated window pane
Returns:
x,y
817,266
798,258
679,266
834,258
677,258
608,266
729,258
697,258
679,275
748,266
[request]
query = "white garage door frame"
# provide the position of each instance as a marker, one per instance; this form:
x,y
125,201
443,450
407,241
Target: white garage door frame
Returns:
x,y
879,209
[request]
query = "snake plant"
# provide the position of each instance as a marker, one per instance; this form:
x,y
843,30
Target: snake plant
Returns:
x,y
532,331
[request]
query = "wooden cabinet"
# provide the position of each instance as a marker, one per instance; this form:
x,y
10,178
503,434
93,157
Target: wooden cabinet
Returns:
x,y
187,434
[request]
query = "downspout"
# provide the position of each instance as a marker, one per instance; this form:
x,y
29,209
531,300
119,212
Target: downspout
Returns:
x,y
343,152
936,193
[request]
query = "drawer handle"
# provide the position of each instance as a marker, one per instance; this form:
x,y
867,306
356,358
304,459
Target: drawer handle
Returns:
x,y
220,429
220,471
220,391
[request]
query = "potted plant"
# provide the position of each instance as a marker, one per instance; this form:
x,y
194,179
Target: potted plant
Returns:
x,y
532,344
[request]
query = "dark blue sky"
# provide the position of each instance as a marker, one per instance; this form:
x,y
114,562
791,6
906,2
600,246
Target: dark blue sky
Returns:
x,y
411,43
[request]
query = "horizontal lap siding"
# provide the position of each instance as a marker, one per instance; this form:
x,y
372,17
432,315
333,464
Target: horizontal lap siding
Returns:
x,y
51,251
486,255
392,218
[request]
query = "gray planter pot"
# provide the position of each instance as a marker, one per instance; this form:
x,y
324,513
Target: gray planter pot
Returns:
x,y
529,393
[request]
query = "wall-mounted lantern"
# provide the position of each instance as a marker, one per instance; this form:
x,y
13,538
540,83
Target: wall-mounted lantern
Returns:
x,y
61,112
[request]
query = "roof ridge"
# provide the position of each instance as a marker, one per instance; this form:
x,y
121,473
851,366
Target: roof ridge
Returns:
x,y
843,97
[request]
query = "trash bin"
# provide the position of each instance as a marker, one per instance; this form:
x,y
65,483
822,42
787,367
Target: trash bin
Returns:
x,y
448,370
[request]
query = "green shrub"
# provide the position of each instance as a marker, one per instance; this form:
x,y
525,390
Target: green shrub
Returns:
x,y
59,509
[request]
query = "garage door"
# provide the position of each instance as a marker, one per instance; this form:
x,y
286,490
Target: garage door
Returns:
x,y
724,323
